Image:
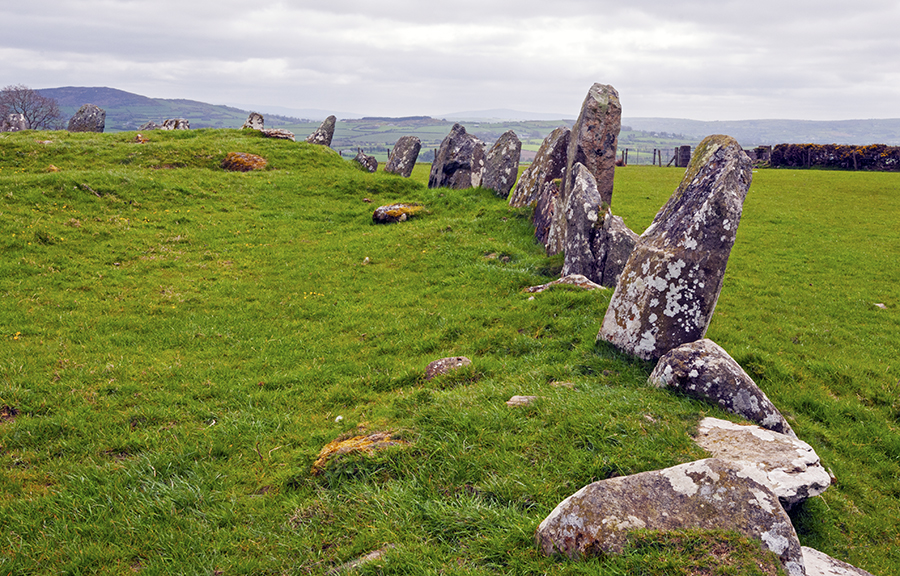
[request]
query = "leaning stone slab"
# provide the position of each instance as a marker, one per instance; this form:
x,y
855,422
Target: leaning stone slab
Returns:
x,y
403,156
459,162
89,118
501,166
668,290
254,121
704,370
787,465
549,164
707,494
819,564
368,163
324,133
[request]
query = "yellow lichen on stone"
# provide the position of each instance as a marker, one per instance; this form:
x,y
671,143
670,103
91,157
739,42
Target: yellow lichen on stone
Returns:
x,y
357,444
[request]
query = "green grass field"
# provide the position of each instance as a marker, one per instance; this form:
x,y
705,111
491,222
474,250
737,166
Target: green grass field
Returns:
x,y
177,343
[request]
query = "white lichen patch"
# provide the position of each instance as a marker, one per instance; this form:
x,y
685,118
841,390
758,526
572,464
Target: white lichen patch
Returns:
x,y
683,483
775,542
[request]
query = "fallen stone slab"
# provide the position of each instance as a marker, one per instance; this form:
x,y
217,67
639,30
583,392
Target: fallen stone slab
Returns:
x,y
368,444
396,213
445,365
709,494
353,564
517,401
577,280
820,564
704,370
243,162
667,292
278,134
787,465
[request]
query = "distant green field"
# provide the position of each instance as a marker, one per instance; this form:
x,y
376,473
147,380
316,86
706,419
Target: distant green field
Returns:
x,y
178,343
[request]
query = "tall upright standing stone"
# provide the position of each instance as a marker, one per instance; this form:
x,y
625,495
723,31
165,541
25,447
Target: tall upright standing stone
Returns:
x,y
459,162
668,290
584,214
403,156
255,121
501,167
89,118
324,133
593,143
549,164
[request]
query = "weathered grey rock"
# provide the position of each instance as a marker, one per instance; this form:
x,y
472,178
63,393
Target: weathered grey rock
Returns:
x,y
820,564
519,401
546,229
255,121
395,213
369,163
704,370
787,465
176,124
708,494
324,133
149,125
501,166
668,290
576,280
89,118
549,164
403,156
584,213
445,365
278,134
614,244
13,123
459,162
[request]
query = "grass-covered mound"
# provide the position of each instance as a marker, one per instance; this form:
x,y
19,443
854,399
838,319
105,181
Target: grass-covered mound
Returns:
x,y
179,342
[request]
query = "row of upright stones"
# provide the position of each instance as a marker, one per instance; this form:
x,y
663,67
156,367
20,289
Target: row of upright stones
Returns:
x,y
464,161
667,282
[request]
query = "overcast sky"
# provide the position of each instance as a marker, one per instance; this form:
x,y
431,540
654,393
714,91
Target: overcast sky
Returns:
x,y
704,60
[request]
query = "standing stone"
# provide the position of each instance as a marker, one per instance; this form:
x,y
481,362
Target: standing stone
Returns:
x,y
369,163
501,167
615,243
403,156
255,121
324,133
545,208
595,137
459,162
176,124
13,123
708,494
668,290
788,466
89,118
704,370
549,164
583,219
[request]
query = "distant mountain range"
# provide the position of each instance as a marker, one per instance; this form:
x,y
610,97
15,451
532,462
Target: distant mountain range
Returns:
x,y
127,111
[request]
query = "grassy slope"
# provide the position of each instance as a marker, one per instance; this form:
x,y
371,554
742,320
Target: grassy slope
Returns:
x,y
179,342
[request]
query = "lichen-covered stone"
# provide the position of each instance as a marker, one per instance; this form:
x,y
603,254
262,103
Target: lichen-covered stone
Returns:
x,y
576,280
704,370
396,213
149,125
549,164
445,365
89,118
459,162
547,206
584,214
501,165
13,123
176,124
708,494
356,445
243,162
403,156
820,564
254,121
368,163
278,134
668,290
595,137
787,465
613,246
324,133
